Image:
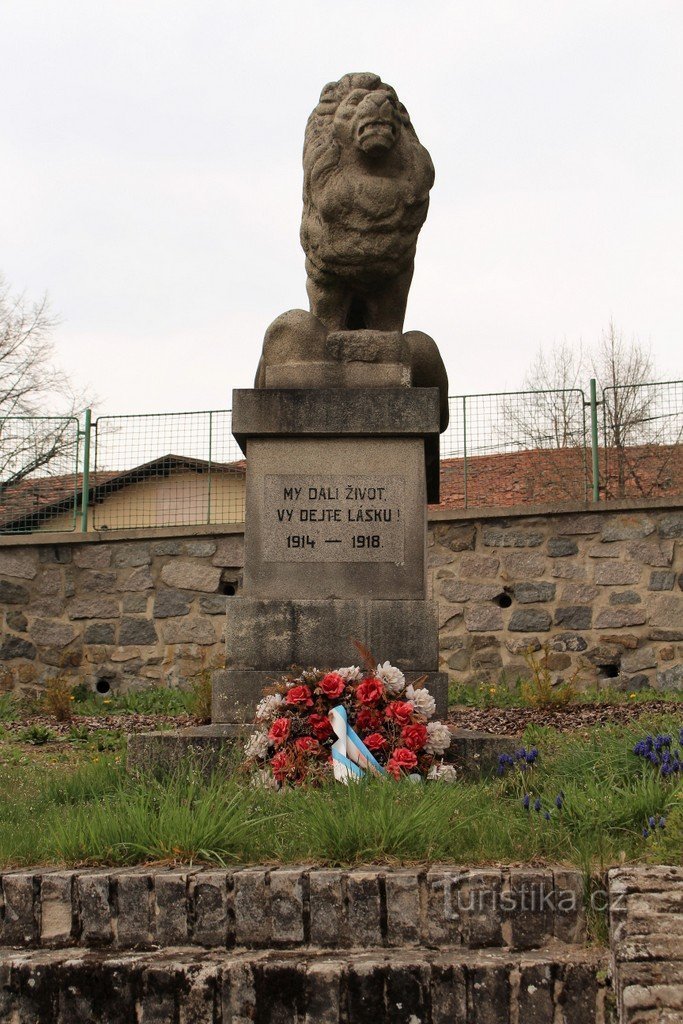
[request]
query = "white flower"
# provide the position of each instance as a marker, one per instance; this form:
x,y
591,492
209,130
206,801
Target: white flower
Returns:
x,y
256,745
422,700
350,674
393,678
438,738
442,773
268,707
264,779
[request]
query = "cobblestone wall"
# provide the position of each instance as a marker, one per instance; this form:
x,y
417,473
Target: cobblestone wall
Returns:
x,y
602,591
115,614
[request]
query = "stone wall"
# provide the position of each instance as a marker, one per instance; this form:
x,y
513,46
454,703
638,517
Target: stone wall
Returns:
x,y
116,613
602,589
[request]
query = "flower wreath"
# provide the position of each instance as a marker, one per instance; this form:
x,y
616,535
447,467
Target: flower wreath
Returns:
x,y
347,722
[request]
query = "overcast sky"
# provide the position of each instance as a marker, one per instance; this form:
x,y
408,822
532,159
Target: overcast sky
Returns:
x,y
150,174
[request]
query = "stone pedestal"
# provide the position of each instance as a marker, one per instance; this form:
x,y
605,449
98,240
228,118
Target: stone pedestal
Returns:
x,y
335,537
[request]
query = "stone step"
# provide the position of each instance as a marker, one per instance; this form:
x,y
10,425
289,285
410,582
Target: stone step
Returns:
x,y
182,986
293,907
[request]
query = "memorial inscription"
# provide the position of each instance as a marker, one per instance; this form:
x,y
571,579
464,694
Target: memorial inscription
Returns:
x,y
334,519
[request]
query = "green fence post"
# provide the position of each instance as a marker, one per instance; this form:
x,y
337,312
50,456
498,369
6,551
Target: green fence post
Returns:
x,y
594,439
85,488
464,446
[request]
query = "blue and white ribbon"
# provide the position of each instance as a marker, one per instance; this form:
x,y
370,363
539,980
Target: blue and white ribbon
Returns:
x,y
350,757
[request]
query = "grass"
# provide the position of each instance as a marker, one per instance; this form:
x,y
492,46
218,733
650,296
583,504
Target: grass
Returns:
x,y
66,803
503,695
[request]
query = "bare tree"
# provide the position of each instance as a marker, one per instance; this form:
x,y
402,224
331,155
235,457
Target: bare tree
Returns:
x,y
641,425
31,385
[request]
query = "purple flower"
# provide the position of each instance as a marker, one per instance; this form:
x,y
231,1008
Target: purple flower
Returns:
x,y
526,802
537,804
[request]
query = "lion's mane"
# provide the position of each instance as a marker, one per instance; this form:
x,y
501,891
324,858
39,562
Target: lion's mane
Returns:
x,y
361,220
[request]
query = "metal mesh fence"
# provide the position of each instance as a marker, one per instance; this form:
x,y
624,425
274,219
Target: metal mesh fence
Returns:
x,y
185,469
515,448
171,469
39,479
642,434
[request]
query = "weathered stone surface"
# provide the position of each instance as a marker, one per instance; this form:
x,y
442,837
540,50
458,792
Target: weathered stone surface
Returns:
x,y
94,608
662,579
55,554
363,908
528,593
213,604
617,618
639,660
199,548
651,552
93,581
186,575
20,920
99,633
625,597
170,899
19,564
530,620
135,917
671,525
93,556
253,922
583,524
171,604
49,581
601,550
522,564
611,574
628,640
95,909
189,631
287,906
448,613
209,901
561,547
479,566
131,555
16,621
457,538
523,646
495,537
671,678
13,593
666,635
327,908
454,590
579,593
568,571
438,556
138,579
667,611
134,604
47,633
574,616
230,552
56,908
628,528
15,647
166,547
137,631
481,618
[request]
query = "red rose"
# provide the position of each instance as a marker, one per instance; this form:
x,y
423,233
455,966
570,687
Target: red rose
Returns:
x,y
320,725
414,737
370,691
402,760
368,719
332,685
280,764
375,741
400,711
300,696
307,744
279,731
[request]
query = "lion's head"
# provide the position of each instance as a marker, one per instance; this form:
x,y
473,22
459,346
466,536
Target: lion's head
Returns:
x,y
366,182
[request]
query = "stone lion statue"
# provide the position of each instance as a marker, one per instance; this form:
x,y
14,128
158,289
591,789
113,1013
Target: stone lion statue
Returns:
x,y
366,194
